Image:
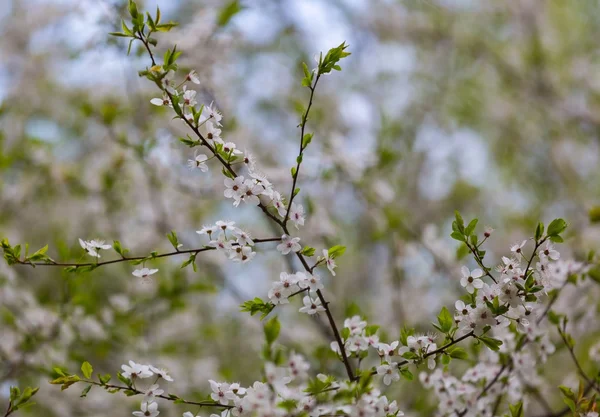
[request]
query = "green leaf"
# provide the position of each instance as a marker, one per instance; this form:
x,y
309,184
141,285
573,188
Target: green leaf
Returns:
x,y
471,227
406,374
459,221
457,352
257,306
172,236
336,251
333,56
227,12
539,231
124,379
307,251
446,320
594,214
271,329
458,236
490,342
306,140
85,391
556,227
87,369
516,410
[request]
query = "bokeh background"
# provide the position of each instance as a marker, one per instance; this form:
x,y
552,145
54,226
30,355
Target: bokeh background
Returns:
x,y
490,108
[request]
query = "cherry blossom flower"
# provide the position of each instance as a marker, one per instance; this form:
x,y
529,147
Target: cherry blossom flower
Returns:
x,y
144,273
193,77
550,252
168,83
199,162
243,238
307,280
211,133
148,410
279,293
213,114
164,101
517,248
162,373
470,279
251,193
389,372
231,149
89,248
288,280
235,189
207,230
249,160
153,391
221,243
136,370
289,244
278,203
224,226
189,97
329,261
311,306
221,392
242,254
297,215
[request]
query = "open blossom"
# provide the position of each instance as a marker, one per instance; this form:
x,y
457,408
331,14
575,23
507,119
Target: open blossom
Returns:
x,y
207,230
250,160
149,409
153,391
144,272
288,280
164,101
242,254
221,392
389,372
162,373
189,97
210,112
89,248
387,350
168,82
329,261
279,293
199,162
136,370
278,204
311,306
211,133
224,226
550,252
235,189
231,149
470,279
517,248
307,280
243,238
297,215
251,192
221,243
193,77
289,244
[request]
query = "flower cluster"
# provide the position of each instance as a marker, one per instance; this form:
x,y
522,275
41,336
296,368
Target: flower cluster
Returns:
x,y
254,189
290,284
227,238
135,371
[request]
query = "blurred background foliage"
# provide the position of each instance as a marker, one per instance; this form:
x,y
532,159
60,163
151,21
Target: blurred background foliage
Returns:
x,y
491,108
